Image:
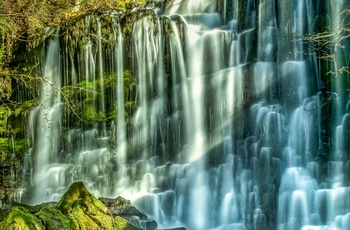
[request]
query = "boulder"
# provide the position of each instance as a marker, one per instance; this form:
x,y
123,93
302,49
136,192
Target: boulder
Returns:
x,y
77,209
21,218
120,207
84,209
53,219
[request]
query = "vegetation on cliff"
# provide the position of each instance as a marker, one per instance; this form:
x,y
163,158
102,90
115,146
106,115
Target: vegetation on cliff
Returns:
x,y
26,20
24,26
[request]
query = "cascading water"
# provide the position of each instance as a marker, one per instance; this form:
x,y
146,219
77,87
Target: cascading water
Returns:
x,y
205,117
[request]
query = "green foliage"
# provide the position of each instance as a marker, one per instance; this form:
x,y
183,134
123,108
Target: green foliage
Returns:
x,y
87,85
4,149
8,145
5,87
26,20
109,79
128,23
1,55
85,97
5,112
19,146
129,106
15,115
23,107
90,113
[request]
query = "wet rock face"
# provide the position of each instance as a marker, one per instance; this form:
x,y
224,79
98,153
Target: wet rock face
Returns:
x,y
120,207
77,209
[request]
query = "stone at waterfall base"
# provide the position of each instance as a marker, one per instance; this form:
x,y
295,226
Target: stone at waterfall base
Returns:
x,y
77,209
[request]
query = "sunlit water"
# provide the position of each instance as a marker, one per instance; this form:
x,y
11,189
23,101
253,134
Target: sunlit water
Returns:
x,y
226,124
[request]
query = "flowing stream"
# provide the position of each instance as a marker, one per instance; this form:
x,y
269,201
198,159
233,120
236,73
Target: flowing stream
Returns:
x,y
206,116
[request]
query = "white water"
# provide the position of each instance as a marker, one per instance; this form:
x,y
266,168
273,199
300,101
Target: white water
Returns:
x,y
226,121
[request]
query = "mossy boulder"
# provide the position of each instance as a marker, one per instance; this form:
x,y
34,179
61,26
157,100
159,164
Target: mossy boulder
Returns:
x,y
84,209
21,218
87,212
77,209
53,219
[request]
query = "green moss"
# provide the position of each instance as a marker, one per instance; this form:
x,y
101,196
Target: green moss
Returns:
x,y
77,209
19,145
90,114
21,218
5,85
4,143
5,112
109,79
129,105
53,219
121,224
86,85
84,209
112,114
24,107
14,117
128,24
4,149
82,44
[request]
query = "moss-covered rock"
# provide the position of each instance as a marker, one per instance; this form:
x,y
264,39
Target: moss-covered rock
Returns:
x,y
87,212
120,223
20,218
84,209
53,219
77,209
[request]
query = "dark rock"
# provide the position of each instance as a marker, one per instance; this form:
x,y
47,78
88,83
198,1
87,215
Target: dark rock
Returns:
x,y
149,224
122,208
180,228
117,205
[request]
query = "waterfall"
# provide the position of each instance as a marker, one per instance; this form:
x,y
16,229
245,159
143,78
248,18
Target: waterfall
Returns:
x,y
206,116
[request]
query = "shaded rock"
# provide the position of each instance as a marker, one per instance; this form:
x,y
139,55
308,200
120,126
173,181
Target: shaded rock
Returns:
x,y
132,211
36,208
116,206
53,219
149,224
120,223
180,228
120,207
